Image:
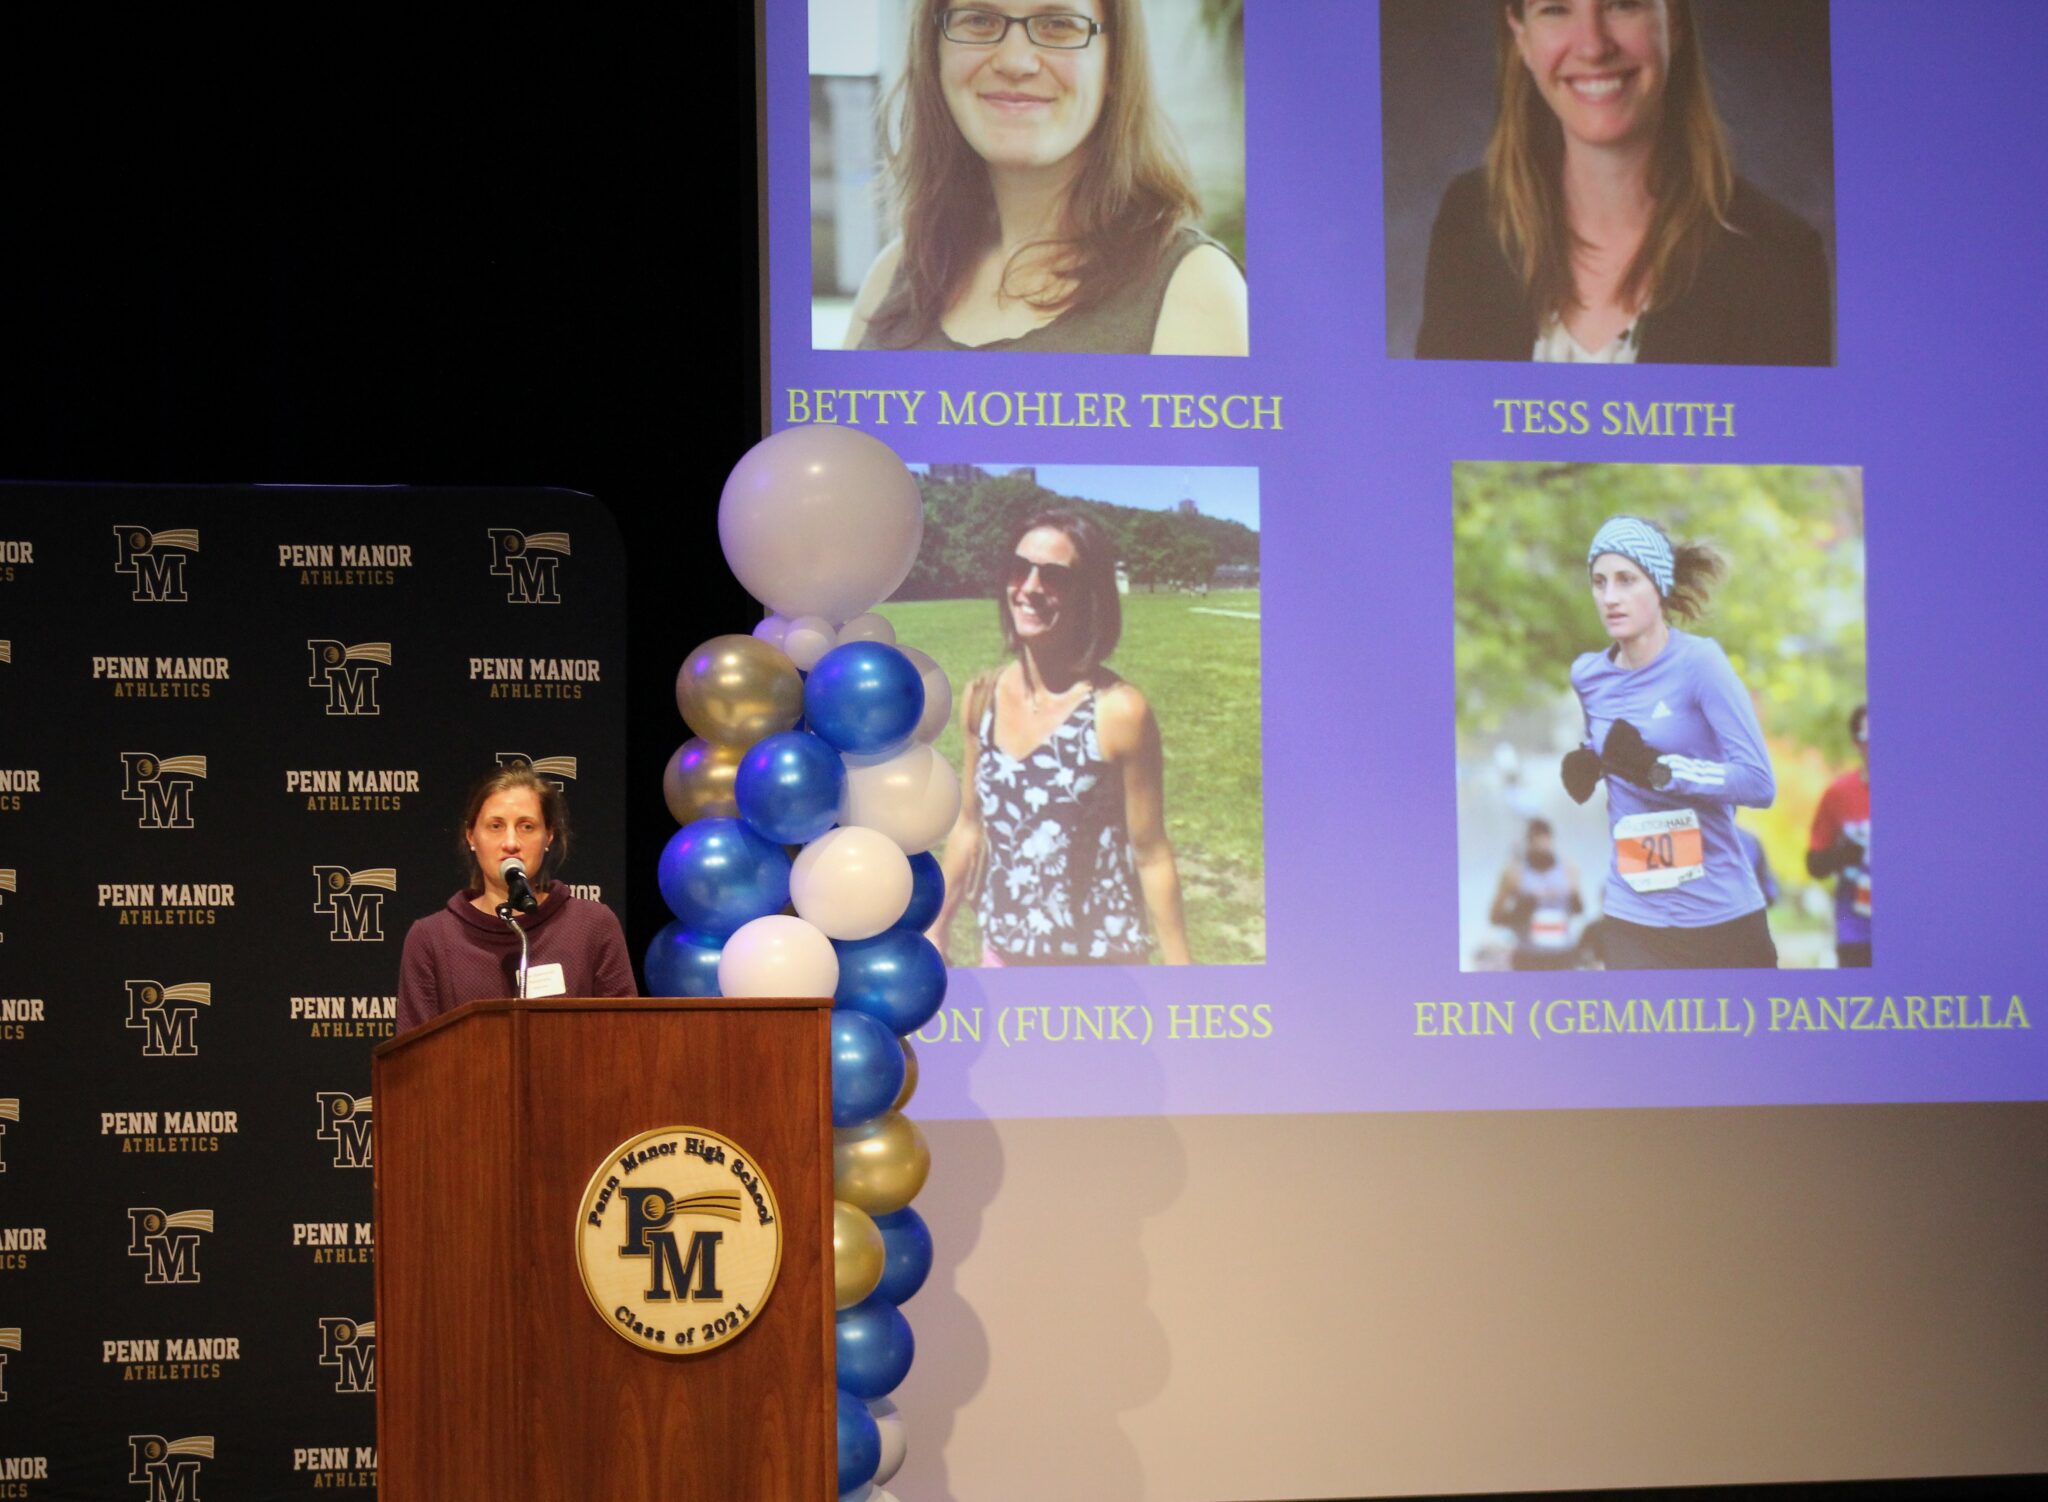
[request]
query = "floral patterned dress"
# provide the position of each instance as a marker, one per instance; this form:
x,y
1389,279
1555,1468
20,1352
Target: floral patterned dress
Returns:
x,y
1061,887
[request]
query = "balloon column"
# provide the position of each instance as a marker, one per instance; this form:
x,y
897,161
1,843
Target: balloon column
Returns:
x,y
815,734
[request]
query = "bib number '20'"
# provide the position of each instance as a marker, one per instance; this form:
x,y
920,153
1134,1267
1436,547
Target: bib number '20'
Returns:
x,y
1656,852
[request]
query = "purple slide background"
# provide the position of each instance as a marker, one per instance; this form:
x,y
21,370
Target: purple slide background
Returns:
x,y
1940,147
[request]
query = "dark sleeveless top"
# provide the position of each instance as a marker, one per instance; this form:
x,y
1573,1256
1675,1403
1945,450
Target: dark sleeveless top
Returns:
x,y
1060,887
1122,324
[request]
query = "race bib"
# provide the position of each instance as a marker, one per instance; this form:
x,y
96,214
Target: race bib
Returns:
x,y
1656,852
1862,896
1550,928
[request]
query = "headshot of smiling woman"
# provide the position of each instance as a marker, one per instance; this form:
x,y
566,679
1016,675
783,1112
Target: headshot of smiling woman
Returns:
x,y
1044,202
1607,223
1061,842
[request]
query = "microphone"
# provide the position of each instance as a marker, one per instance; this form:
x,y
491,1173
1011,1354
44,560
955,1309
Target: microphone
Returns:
x,y
512,871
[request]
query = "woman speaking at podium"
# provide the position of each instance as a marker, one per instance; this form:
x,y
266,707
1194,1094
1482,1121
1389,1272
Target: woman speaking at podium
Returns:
x,y
514,822
1045,205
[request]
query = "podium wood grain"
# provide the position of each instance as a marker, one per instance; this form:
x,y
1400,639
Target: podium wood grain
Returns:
x,y
497,1378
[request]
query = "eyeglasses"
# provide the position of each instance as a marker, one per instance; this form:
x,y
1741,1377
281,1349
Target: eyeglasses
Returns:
x,y
988,28
1052,577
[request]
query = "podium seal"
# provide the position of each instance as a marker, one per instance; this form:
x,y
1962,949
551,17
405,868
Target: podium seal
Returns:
x,y
678,1240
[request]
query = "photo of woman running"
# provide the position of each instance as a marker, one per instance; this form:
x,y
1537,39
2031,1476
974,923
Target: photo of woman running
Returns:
x,y
1670,730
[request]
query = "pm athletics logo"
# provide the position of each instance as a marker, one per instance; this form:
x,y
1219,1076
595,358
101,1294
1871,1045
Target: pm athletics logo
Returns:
x,y
530,563
10,1110
549,769
167,1016
679,1240
350,1347
169,1468
169,1244
162,785
348,674
155,561
354,900
10,1341
345,1121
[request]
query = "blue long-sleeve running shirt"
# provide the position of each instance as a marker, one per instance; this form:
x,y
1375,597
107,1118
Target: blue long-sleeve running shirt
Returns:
x,y
1675,860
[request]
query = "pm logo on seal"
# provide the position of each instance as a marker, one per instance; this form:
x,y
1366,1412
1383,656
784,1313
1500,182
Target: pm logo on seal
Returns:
x,y
679,1240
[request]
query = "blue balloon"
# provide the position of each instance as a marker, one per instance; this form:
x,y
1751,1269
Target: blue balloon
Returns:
x,y
717,874
864,697
875,1348
906,1253
927,893
860,1443
897,977
788,787
680,963
867,1067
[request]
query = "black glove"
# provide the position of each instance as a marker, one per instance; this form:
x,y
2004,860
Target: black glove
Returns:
x,y
1581,773
1839,856
1628,755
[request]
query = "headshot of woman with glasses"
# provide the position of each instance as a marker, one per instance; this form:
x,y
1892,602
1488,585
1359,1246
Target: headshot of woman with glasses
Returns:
x,y
1045,203
1607,224
1061,842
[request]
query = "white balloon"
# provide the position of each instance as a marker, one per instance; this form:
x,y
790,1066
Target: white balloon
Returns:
x,y
938,695
820,520
808,638
869,627
912,797
772,629
778,956
894,1445
850,883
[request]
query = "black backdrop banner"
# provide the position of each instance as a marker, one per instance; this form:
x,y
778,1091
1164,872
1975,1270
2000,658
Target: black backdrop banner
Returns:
x,y
236,727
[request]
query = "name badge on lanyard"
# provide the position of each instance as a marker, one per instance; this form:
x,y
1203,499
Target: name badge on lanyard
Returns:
x,y
1656,852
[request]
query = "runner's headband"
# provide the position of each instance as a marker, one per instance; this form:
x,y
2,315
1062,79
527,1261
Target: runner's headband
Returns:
x,y
1640,543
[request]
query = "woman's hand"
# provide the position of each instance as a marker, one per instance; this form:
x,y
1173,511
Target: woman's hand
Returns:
x,y
963,846
1130,740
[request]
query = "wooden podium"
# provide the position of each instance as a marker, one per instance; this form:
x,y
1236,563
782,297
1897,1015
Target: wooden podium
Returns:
x,y
499,1378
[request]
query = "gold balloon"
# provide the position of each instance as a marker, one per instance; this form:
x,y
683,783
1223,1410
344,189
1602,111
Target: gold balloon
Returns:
x,y
858,1255
698,781
735,689
880,1164
909,1075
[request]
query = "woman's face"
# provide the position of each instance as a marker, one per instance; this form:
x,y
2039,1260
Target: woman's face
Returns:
x,y
1626,596
1021,105
509,824
1039,585
1601,65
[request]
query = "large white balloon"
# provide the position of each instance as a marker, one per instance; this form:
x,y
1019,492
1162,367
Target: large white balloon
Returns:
x,y
820,520
938,695
912,797
851,883
808,639
778,956
894,1444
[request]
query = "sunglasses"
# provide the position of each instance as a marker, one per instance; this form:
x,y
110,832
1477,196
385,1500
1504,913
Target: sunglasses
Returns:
x,y
1052,577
